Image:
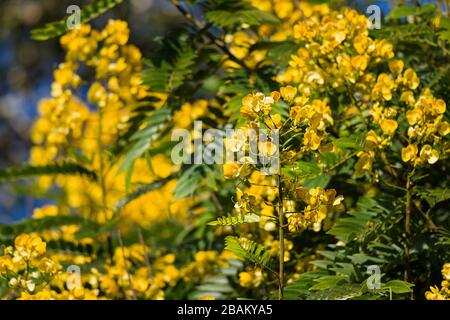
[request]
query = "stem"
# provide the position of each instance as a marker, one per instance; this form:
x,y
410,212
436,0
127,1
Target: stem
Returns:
x,y
388,165
351,155
104,199
215,41
281,236
101,162
426,216
147,256
408,227
133,292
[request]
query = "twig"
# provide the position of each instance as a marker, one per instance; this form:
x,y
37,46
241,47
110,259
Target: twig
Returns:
x,y
281,235
133,291
147,256
408,227
211,37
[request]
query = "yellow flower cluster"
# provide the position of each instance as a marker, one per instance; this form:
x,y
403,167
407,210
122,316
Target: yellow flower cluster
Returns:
x,y
68,129
131,275
65,232
252,278
257,104
257,197
274,247
317,203
287,11
25,266
63,117
315,116
337,54
340,56
444,293
205,263
35,274
426,129
189,112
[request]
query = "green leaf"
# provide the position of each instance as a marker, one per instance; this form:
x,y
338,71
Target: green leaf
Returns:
x,y
344,268
317,182
299,287
141,140
352,227
188,182
445,35
341,292
328,282
279,51
433,196
232,220
169,76
141,191
218,285
399,286
89,12
28,171
302,169
95,231
361,258
404,10
8,231
242,13
354,142
248,250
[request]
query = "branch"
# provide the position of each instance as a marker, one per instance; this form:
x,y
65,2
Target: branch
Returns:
x,y
211,37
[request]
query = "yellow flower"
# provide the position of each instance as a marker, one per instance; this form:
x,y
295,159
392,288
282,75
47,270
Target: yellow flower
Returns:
x,y
396,66
6,264
116,32
414,116
409,153
360,62
440,106
231,170
250,278
444,128
383,88
360,43
45,211
434,294
311,140
245,279
446,271
412,81
408,97
267,149
275,96
274,122
47,266
288,93
97,94
429,154
388,126
252,104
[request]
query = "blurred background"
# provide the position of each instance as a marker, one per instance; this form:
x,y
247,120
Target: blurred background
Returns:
x,y
26,69
26,73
